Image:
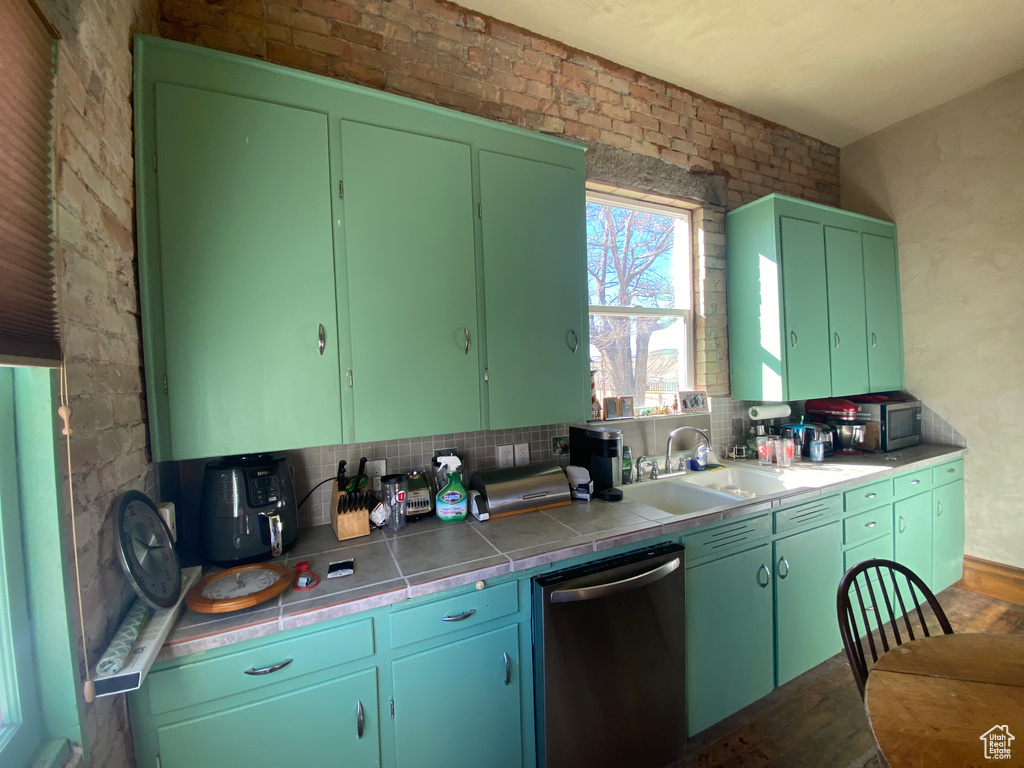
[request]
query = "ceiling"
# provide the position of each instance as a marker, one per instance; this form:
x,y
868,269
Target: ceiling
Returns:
x,y
837,70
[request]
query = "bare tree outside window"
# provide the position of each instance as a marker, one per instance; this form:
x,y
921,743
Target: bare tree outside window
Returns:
x,y
639,284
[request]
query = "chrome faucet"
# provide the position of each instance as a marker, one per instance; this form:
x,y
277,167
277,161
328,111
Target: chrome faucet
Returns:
x,y
668,445
641,464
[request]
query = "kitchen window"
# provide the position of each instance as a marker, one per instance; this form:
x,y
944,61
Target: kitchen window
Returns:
x,y
640,293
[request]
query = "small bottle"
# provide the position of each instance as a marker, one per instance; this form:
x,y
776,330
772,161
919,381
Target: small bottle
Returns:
x,y
817,450
627,465
701,457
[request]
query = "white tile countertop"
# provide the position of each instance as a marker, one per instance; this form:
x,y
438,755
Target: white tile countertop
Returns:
x,y
430,556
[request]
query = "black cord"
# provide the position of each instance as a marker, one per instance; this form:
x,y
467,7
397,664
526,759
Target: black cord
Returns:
x,y
306,497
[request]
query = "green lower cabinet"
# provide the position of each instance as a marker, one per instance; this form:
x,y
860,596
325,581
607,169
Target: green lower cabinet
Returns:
x,y
459,704
947,535
808,567
318,726
912,534
729,649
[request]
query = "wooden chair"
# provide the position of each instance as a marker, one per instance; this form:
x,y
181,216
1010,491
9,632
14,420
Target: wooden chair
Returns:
x,y
894,605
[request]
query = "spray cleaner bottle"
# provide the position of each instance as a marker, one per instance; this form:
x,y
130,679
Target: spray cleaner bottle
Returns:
x,y
451,499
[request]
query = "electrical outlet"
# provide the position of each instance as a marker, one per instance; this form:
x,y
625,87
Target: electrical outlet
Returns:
x,y
375,470
522,451
506,458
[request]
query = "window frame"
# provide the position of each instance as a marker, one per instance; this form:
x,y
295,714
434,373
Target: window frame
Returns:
x,y
687,314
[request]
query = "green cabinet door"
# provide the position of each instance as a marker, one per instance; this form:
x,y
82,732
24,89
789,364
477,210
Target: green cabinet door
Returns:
x,y
729,640
538,356
808,567
846,324
912,534
326,724
411,282
808,372
458,705
885,325
947,535
245,278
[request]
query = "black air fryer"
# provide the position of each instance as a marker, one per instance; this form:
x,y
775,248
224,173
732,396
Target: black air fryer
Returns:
x,y
248,511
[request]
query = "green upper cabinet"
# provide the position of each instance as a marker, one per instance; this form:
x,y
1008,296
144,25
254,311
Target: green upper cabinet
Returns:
x,y
848,353
241,287
534,291
314,269
411,283
811,289
885,329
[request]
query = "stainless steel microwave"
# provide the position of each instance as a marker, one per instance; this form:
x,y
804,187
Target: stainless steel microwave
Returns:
x,y
899,423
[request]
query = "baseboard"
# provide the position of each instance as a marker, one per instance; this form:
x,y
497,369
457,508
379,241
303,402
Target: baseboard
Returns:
x,y
1003,582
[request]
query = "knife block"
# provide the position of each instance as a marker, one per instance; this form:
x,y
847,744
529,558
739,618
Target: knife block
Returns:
x,y
347,525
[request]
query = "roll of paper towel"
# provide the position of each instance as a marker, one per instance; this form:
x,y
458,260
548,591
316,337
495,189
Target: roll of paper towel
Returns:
x,y
759,412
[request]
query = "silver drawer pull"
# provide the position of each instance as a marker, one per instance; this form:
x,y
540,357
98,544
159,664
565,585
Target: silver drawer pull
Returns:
x,y
321,339
903,524
575,341
837,340
915,482
870,525
268,670
792,339
951,470
870,495
767,576
508,668
874,340
467,339
782,562
939,513
459,616
360,719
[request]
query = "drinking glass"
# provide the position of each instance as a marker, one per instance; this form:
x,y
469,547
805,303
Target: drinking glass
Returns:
x,y
764,450
784,451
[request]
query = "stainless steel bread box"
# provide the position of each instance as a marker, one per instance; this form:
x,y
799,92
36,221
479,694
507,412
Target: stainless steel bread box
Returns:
x,y
521,489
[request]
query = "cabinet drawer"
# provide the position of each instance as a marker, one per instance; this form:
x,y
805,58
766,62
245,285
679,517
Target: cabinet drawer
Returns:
x,y
868,495
788,518
727,538
880,548
209,679
867,525
910,483
947,473
452,614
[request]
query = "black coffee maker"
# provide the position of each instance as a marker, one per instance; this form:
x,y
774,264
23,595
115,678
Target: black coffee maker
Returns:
x,y
598,449
247,510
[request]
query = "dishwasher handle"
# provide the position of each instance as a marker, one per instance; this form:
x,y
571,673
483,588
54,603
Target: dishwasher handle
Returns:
x,y
615,587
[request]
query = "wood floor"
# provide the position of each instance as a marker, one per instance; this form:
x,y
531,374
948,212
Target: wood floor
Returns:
x,y
818,720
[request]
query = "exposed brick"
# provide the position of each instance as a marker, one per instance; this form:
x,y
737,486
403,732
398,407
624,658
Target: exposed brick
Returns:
x,y
550,47
356,35
297,19
531,72
291,56
322,44
332,10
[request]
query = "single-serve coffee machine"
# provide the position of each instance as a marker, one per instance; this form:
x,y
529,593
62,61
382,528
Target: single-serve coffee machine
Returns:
x,y
598,449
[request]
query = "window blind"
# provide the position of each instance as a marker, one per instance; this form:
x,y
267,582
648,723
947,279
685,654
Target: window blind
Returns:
x,y
29,328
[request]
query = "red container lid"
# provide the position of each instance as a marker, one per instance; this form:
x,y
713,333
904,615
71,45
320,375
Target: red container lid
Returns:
x,y
833,407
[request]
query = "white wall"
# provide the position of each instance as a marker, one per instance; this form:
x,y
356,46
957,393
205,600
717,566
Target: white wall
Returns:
x,y
952,179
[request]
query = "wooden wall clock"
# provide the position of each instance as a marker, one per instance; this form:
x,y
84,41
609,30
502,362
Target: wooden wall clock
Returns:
x,y
239,587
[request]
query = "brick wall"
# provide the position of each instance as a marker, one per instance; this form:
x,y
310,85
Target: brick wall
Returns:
x,y
444,54
98,277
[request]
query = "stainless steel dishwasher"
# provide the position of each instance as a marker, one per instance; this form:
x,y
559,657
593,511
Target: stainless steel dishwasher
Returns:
x,y
610,663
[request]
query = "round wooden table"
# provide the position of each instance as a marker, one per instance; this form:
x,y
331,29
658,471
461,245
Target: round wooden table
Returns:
x,y
948,701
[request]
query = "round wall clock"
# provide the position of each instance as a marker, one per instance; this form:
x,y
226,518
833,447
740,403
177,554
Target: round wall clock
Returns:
x,y
238,587
147,551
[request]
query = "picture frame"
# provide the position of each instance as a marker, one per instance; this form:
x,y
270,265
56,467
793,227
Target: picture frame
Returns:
x,y
611,408
693,401
625,407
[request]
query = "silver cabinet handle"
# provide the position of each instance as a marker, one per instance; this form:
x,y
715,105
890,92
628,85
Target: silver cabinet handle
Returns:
x,y
321,338
276,532
360,719
615,587
837,339
268,670
870,495
903,524
467,339
575,341
870,525
915,482
508,668
459,616
792,339
767,576
874,340
950,470
939,512
783,562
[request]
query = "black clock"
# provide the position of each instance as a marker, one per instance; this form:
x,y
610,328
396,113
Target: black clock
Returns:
x,y
147,551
